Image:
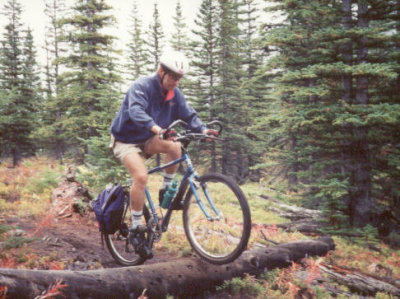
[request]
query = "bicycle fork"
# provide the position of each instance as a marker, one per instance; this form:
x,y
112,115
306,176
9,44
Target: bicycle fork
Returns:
x,y
195,186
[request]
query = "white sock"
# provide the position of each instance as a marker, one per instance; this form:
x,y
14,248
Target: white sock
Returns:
x,y
136,217
168,178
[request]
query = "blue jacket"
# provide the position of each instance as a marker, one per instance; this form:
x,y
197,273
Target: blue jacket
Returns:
x,y
144,106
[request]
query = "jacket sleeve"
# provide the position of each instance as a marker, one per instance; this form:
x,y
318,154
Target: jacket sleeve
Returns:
x,y
137,105
189,115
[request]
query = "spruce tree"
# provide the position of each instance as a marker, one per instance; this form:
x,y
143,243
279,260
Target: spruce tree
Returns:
x,y
31,98
155,43
233,112
17,117
333,81
254,85
205,66
155,40
137,58
180,42
51,133
90,74
179,39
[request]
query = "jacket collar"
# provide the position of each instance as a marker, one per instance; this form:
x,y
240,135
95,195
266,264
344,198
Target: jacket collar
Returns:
x,y
170,94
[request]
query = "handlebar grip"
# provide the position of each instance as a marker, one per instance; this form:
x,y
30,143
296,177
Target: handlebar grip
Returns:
x,y
216,123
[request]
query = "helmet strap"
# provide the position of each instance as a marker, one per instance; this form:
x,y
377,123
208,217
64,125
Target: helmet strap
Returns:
x,y
162,78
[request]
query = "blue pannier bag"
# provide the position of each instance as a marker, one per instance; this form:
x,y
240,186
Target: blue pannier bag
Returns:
x,y
109,209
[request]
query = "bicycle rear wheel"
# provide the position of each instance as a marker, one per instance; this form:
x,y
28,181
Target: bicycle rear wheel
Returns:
x,y
121,250
223,236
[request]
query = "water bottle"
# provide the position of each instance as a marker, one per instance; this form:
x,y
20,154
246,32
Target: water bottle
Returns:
x,y
169,195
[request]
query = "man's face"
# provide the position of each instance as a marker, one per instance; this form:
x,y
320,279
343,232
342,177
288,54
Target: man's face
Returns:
x,y
171,80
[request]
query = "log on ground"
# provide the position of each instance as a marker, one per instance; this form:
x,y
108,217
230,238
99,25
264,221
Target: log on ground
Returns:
x,y
361,283
189,276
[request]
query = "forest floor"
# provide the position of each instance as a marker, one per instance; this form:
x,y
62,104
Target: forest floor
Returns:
x,y
41,229
62,238
72,243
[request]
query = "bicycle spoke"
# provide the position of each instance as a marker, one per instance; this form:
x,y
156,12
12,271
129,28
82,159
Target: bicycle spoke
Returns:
x,y
223,238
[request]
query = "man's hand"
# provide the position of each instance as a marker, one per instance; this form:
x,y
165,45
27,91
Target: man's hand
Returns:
x,y
212,133
168,134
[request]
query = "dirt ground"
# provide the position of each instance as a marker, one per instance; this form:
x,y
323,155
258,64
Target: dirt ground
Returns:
x,y
76,243
71,237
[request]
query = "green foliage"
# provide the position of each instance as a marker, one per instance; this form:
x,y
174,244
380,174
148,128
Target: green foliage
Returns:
x,y
5,228
102,166
48,179
326,129
16,242
249,287
19,83
370,234
88,85
155,40
138,57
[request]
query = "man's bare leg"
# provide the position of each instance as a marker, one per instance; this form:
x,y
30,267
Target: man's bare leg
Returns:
x,y
138,172
172,151
170,148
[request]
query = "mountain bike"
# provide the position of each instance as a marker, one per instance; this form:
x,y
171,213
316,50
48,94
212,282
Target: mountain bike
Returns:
x,y
216,215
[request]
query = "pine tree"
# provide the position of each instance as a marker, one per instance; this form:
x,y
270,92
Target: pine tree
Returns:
x,y
333,82
50,133
179,40
254,86
155,43
31,87
91,73
19,84
205,66
137,58
301,140
233,112
155,40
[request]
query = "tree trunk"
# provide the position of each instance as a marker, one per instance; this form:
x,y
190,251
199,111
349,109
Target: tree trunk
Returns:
x,y
294,166
347,94
362,205
186,277
347,51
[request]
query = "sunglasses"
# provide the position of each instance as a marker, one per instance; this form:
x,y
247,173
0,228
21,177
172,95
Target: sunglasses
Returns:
x,y
175,77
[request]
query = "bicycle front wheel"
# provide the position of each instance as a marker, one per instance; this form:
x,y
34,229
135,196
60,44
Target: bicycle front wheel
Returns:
x,y
118,245
216,218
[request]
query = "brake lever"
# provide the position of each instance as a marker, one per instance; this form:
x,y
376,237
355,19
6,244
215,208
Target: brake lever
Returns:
x,y
215,123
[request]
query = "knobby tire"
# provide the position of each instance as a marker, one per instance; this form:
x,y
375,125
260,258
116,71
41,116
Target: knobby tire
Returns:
x,y
219,241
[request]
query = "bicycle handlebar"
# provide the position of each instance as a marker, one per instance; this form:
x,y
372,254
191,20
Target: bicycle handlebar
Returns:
x,y
211,123
188,136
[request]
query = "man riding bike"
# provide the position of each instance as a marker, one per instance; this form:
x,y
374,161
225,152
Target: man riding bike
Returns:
x,y
150,105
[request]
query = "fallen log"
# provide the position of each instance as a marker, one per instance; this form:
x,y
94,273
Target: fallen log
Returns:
x,y
361,283
305,226
307,221
293,213
189,276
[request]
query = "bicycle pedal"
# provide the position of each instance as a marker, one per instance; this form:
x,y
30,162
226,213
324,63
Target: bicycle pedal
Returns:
x,y
139,229
144,251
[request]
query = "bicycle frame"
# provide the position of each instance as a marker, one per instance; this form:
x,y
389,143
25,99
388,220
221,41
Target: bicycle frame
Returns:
x,y
188,176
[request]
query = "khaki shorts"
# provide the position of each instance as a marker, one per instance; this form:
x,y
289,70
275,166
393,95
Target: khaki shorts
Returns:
x,y
121,149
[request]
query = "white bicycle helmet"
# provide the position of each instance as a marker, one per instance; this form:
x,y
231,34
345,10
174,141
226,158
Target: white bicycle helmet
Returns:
x,y
175,62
